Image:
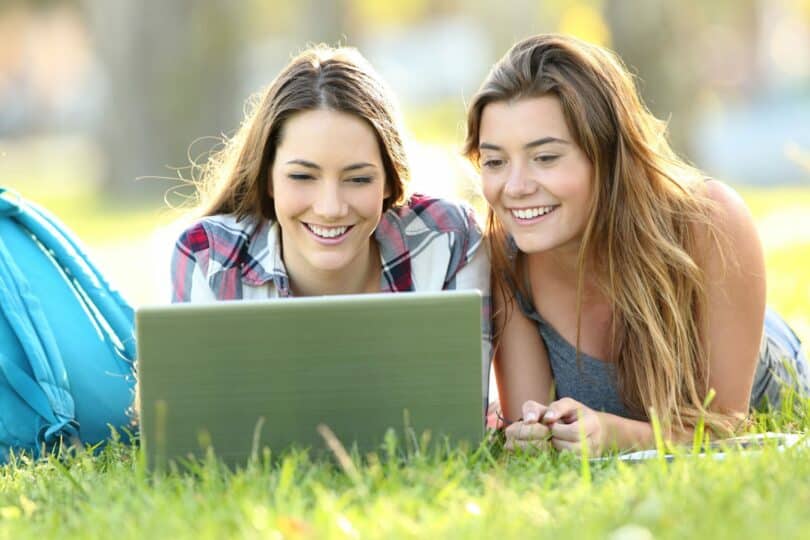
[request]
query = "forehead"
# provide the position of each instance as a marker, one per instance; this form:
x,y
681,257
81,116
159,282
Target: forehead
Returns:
x,y
523,120
327,135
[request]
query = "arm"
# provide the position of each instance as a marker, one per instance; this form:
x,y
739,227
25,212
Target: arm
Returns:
x,y
188,267
521,360
469,269
736,301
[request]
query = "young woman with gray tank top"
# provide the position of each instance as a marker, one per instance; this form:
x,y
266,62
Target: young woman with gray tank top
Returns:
x,y
625,284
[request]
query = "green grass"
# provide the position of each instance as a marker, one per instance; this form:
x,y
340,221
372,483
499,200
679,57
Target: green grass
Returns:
x,y
397,493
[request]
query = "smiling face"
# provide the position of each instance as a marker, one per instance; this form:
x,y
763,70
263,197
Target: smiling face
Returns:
x,y
327,185
535,177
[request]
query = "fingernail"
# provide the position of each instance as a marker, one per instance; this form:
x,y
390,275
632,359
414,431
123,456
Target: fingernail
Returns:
x,y
550,415
531,417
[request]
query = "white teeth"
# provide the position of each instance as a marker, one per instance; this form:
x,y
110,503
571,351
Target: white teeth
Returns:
x,y
529,213
327,232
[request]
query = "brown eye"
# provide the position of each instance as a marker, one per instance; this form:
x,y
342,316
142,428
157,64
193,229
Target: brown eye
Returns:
x,y
360,179
546,158
492,163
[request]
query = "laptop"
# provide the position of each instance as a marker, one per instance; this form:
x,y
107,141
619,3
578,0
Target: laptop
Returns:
x,y
240,376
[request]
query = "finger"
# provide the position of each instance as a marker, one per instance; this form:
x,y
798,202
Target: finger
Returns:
x,y
563,409
515,430
525,432
492,416
530,446
530,432
533,411
566,446
511,430
566,432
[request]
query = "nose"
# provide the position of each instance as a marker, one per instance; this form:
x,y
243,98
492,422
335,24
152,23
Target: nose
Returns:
x,y
518,183
330,203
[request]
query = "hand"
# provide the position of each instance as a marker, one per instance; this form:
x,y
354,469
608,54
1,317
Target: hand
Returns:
x,y
528,433
495,419
572,424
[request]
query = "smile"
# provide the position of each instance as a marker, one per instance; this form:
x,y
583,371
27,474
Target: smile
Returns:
x,y
532,213
328,233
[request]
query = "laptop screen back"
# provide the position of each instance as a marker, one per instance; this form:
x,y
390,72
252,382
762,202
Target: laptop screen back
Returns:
x,y
211,374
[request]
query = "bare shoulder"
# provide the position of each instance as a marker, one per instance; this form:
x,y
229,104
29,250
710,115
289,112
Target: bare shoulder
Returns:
x,y
731,218
739,242
730,213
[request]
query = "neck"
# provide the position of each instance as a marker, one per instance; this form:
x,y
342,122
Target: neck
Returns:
x,y
561,266
361,276
561,262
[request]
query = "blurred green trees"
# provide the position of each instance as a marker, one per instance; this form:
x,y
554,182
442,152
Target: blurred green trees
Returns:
x,y
172,73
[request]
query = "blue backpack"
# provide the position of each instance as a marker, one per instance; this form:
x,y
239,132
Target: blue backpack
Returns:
x,y
67,347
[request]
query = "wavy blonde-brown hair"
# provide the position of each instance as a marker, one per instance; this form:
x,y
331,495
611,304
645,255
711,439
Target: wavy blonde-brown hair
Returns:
x,y
641,238
234,180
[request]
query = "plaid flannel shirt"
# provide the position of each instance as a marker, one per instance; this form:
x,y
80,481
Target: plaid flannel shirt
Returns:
x,y
427,244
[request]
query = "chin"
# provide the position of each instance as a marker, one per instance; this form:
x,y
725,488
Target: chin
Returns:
x,y
329,264
534,245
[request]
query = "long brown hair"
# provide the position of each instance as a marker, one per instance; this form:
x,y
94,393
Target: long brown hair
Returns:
x,y
641,237
234,180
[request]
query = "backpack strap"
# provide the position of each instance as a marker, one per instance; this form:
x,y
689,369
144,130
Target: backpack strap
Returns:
x,y
47,393
112,312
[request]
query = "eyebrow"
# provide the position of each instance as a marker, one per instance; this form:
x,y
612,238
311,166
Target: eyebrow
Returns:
x,y
532,144
311,165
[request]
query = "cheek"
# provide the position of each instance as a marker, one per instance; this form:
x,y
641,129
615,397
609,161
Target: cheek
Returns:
x,y
582,197
586,189
585,175
490,187
573,184
370,201
287,200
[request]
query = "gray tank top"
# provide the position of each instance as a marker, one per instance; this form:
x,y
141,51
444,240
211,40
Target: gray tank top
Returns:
x,y
593,382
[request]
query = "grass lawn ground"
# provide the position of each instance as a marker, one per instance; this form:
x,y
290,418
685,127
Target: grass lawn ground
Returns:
x,y
407,494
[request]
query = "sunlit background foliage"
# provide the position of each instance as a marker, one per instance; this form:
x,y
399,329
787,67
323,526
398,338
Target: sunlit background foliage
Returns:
x,y
104,103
